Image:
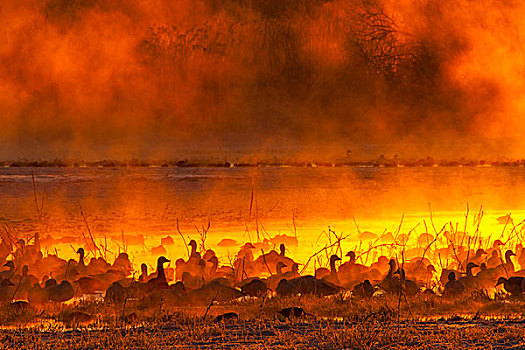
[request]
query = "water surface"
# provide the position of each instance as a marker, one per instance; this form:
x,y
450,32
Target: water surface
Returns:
x,y
246,203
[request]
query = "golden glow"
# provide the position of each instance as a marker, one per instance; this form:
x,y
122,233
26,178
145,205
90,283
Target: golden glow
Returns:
x,y
150,202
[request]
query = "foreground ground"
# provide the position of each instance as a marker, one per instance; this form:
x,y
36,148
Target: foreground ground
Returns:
x,y
335,323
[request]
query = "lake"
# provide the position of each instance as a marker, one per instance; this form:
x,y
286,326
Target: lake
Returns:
x,y
247,204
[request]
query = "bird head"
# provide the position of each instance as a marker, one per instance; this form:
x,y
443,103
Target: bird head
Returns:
x,y
208,255
401,273
451,276
481,252
471,265
351,255
497,243
334,258
6,283
248,246
281,265
162,260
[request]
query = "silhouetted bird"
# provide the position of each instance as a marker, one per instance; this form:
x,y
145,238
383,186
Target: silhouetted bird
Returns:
x,y
285,288
255,288
7,289
293,312
37,295
469,281
160,281
226,317
60,292
364,290
212,291
513,285
311,285
453,288
116,294
410,287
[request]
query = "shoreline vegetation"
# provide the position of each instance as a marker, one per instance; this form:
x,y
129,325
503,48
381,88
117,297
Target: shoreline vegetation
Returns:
x,y
382,162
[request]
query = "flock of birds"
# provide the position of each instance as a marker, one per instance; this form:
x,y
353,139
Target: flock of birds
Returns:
x,y
201,279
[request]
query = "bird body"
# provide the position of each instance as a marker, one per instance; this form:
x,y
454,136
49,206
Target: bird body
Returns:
x,y
311,285
391,283
226,317
293,312
285,288
212,292
409,287
37,295
512,285
116,294
333,277
7,289
255,288
350,272
60,292
469,281
364,290
453,288
273,280
10,272
159,282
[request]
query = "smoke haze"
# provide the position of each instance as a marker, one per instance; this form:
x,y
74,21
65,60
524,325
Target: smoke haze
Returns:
x,y
91,79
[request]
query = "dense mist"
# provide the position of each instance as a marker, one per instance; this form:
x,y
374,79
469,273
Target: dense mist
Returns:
x,y
241,79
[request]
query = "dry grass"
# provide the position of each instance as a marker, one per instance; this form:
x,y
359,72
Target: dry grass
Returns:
x,y
336,323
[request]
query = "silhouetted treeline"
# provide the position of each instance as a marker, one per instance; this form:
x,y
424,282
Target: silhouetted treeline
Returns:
x,y
119,76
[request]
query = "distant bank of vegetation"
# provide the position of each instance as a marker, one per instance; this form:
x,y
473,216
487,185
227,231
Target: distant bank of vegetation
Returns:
x,y
381,162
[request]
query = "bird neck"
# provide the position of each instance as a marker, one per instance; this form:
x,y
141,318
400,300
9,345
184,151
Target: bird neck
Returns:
x,y
193,249
160,271
333,269
469,271
391,271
